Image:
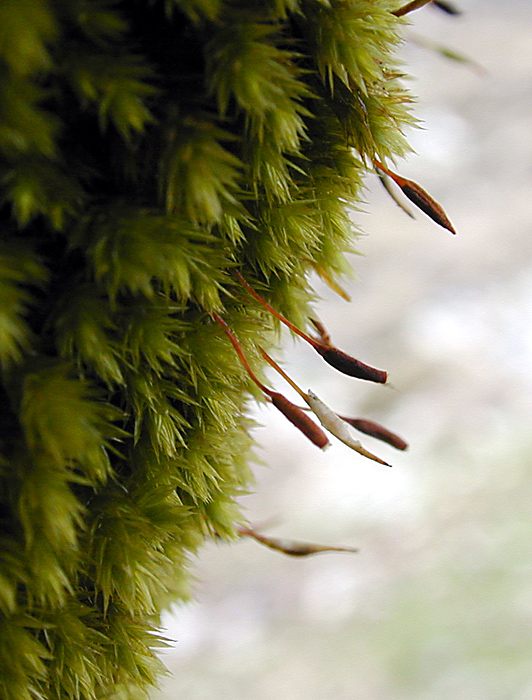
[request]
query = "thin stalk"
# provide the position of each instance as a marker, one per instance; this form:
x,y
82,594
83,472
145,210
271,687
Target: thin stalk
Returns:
x,y
338,359
410,7
234,342
283,374
274,312
290,411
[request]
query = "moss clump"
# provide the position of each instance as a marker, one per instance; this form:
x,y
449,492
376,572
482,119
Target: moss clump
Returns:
x,y
146,148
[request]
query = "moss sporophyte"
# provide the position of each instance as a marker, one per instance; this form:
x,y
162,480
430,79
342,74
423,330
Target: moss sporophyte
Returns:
x,y
146,149
418,196
294,414
332,422
288,546
338,359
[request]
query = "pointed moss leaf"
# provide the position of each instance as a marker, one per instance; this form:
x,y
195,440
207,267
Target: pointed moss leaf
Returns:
x,y
25,127
49,511
120,87
51,569
12,573
40,187
64,421
20,270
98,22
158,407
139,667
133,574
77,650
88,333
199,176
245,65
26,29
151,335
248,73
197,10
347,37
144,252
14,332
21,675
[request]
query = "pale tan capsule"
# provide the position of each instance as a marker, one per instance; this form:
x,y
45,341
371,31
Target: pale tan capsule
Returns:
x,y
293,548
330,420
337,427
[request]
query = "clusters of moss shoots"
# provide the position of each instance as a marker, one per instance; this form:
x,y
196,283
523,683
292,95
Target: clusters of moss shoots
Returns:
x,y
148,150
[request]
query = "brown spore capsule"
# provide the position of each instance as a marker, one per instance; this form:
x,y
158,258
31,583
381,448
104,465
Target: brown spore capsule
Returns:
x,y
349,365
446,7
417,195
378,431
299,418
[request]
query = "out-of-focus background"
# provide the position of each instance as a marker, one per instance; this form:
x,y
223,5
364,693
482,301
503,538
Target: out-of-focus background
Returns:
x,y
438,602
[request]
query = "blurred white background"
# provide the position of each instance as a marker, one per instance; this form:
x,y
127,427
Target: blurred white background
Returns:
x,y
438,602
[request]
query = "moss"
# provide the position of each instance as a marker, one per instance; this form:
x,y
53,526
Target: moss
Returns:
x,y
146,148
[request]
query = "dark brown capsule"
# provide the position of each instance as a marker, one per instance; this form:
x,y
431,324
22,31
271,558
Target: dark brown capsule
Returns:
x,y
299,418
385,181
417,195
378,431
349,365
447,7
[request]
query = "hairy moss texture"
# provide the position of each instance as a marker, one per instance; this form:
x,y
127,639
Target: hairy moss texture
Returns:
x,y
146,148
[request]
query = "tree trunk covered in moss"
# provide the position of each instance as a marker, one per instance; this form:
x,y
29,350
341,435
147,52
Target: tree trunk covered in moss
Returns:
x,y
146,148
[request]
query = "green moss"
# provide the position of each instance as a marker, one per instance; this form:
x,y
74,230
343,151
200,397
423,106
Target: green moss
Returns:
x,y
146,148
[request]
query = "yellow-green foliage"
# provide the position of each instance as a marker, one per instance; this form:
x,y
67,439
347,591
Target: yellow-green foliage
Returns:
x,y
146,148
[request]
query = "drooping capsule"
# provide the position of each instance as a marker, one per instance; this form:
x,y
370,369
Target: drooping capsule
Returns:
x,y
376,430
447,7
349,365
300,419
293,548
418,196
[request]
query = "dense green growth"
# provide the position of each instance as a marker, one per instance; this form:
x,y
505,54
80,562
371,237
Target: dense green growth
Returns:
x,y
146,147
